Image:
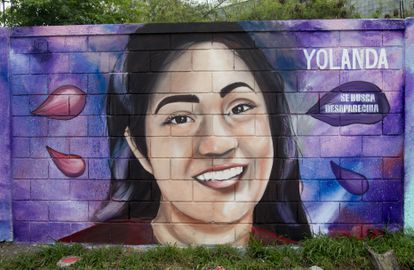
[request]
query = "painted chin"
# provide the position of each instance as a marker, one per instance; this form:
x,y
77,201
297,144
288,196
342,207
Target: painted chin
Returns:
x,y
221,177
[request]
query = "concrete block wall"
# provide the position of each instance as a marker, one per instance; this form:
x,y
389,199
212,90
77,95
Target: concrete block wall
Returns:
x,y
349,165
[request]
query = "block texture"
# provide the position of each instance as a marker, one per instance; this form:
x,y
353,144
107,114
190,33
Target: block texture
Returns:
x,y
273,113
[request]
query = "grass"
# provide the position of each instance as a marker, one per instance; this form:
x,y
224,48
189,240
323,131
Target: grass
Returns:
x,y
326,252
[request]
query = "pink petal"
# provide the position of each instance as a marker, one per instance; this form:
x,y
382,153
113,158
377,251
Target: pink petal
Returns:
x,y
65,103
67,261
69,165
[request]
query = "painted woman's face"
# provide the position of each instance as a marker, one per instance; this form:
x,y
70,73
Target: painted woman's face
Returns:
x,y
208,135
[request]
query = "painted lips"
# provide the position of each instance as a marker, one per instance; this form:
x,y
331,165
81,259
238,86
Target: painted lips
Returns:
x,y
221,176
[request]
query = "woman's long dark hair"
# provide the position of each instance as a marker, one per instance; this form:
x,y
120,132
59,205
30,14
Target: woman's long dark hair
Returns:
x,y
134,192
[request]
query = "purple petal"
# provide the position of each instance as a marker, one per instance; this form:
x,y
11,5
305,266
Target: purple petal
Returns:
x,y
353,182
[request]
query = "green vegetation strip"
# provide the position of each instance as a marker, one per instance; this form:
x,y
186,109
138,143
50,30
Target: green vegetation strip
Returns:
x,y
326,252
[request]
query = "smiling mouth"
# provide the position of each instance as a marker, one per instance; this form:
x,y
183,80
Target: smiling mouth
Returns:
x,y
219,177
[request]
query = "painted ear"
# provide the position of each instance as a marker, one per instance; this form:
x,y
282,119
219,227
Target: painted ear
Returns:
x,y
145,163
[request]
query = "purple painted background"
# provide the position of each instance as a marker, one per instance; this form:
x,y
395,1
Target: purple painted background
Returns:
x,y
48,205
5,160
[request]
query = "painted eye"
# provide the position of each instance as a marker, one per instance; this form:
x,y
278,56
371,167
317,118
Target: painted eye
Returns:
x,y
179,120
242,108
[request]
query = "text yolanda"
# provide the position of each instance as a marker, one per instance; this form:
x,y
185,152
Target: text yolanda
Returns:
x,y
356,58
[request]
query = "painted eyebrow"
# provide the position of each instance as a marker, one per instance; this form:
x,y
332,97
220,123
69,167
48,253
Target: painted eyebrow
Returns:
x,y
177,98
227,89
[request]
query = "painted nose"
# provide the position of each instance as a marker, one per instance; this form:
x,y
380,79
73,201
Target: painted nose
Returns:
x,y
215,146
217,138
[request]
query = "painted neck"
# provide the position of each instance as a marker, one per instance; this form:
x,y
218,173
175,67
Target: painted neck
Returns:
x,y
171,226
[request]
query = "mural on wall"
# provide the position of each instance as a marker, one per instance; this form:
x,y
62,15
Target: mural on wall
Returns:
x,y
6,230
409,120
205,138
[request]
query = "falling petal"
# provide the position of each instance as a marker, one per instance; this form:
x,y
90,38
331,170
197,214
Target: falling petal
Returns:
x,y
69,165
336,119
65,103
353,182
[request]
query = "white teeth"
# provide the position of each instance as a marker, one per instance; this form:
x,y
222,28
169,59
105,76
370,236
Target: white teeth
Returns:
x,y
220,175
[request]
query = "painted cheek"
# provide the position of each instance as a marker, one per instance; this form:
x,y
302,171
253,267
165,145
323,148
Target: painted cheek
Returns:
x,y
170,147
263,143
176,190
256,147
183,130
263,168
161,168
155,127
244,128
262,127
185,168
263,171
250,190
